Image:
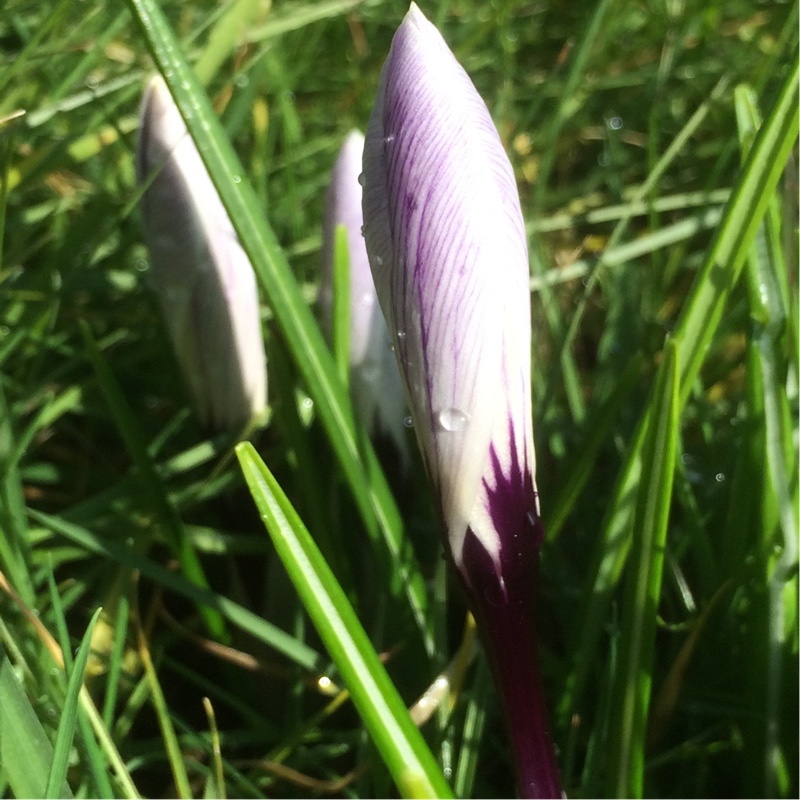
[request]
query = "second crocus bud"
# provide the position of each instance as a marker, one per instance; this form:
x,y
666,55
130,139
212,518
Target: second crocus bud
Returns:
x,y
448,250
202,277
376,387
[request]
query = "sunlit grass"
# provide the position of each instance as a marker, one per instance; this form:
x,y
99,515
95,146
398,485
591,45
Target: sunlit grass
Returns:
x,y
647,225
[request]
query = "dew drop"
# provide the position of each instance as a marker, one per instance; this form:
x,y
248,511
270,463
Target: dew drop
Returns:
x,y
360,178
401,335
378,261
308,403
408,422
452,420
615,123
237,178
495,593
389,138
532,518
719,477
241,80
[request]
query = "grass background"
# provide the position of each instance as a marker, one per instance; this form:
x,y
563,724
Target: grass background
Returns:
x,y
625,129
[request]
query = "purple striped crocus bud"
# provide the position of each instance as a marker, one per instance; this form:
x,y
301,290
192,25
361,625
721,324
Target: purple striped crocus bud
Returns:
x,y
375,383
202,276
447,245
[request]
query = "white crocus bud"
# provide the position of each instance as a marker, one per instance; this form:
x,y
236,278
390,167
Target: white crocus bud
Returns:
x,y
448,251
202,277
449,256
375,383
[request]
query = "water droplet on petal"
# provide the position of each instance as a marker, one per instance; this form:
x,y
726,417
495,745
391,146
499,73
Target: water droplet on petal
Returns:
x,y
360,178
452,419
237,178
378,261
401,335
408,422
389,138
495,593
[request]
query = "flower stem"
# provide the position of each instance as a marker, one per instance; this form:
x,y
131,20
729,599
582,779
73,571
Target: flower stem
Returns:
x,y
504,608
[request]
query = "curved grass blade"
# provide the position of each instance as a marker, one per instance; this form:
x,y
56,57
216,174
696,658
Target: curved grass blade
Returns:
x,y
633,678
774,344
262,630
696,326
151,483
69,715
25,751
173,748
387,719
357,459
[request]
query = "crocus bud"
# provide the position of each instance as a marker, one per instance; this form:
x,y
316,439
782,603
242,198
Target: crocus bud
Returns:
x,y
375,384
202,276
446,241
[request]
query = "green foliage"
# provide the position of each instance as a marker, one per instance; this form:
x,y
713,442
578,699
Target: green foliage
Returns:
x,y
655,148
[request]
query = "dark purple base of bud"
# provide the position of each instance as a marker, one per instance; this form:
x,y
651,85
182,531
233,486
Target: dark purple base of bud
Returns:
x,y
504,606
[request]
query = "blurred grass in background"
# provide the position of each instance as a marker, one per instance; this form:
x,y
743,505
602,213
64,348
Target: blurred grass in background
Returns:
x,y
627,133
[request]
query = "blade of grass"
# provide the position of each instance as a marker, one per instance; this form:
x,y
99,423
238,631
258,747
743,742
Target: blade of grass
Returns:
x,y
696,325
106,743
472,731
120,624
89,751
633,679
386,717
15,551
25,751
769,301
69,714
365,477
152,484
262,630
229,32
598,425
29,52
618,255
341,305
174,755
214,787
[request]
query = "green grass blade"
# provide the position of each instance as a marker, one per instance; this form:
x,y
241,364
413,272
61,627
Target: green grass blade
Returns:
x,y
25,751
697,323
743,215
400,743
14,546
365,477
769,308
633,679
262,630
598,425
151,482
174,754
341,304
69,715
228,33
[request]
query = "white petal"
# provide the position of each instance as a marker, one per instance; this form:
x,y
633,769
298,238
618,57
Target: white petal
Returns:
x,y
449,255
204,280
